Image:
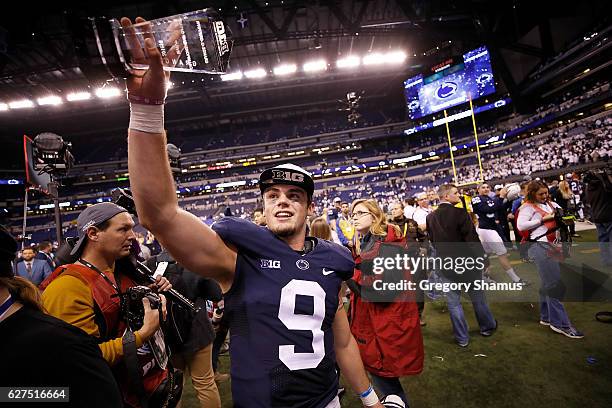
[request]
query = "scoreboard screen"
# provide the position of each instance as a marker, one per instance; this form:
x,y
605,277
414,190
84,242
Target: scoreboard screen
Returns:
x,y
450,86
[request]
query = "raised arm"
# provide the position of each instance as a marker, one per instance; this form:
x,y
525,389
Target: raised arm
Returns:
x,y
191,242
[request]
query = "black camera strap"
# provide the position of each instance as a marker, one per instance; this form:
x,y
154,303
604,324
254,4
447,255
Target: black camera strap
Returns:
x,y
106,278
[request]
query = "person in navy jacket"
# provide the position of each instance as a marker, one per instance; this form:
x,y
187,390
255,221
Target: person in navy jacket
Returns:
x,y
486,208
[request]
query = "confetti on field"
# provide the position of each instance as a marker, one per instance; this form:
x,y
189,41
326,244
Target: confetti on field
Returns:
x,y
439,358
480,355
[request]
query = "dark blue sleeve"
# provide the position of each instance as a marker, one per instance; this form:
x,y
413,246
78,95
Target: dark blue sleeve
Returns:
x,y
340,233
516,204
243,234
338,258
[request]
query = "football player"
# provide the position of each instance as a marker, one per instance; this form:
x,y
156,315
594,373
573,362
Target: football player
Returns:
x,y
288,327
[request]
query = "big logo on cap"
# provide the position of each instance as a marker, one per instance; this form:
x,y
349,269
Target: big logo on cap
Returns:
x,y
287,176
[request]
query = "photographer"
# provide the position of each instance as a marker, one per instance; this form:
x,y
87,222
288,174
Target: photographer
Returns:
x,y
42,351
537,215
86,295
599,198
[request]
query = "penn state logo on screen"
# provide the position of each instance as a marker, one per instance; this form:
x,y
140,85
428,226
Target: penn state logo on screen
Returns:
x,y
446,89
413,105
484,78
302,264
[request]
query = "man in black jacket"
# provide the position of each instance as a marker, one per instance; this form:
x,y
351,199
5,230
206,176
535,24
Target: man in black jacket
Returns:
x,y
453,235
599,198
192,349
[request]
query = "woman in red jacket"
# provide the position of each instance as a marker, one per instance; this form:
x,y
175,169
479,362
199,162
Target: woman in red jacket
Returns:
x,y
386,326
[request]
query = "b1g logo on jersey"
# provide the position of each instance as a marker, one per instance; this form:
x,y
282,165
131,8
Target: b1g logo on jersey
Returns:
x,y
270,264
288,176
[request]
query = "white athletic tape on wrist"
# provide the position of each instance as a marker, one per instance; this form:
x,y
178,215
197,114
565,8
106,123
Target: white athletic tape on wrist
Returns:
x,y
147,118
369,397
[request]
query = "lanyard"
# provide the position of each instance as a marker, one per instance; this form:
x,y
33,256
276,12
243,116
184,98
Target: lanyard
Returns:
x,y
106,278
6,305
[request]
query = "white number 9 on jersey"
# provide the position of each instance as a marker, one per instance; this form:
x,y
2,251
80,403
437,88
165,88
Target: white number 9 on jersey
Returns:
x,y
293,321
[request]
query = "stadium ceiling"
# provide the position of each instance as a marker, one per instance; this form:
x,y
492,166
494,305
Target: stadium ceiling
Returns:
x,y
36,48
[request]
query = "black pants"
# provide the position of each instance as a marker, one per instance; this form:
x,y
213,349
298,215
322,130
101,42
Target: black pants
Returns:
x,y
217,343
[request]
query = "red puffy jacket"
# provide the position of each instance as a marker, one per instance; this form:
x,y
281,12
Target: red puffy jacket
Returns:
x,y
388,334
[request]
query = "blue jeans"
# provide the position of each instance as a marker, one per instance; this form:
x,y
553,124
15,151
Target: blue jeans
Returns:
x,y
481,310
551,308
389,386
604,236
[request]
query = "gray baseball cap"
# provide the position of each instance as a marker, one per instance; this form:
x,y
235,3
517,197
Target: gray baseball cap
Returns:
x,y
92,217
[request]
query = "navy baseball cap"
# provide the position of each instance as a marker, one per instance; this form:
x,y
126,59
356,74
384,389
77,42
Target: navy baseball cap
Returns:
x,y
289,174
92,217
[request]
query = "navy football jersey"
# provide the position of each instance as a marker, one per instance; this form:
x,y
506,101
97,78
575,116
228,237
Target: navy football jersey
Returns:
x,y
486,209
280,311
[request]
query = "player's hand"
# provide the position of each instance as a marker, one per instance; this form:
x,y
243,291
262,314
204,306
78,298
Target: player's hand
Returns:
x,y
152,82
548,217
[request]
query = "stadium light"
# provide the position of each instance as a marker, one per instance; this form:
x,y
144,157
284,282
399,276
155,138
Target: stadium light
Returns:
x,y
49,100
3,107
395,57
314,66
376,58
348,62
285,69
24,103
232,77
78,96
373,59
255,73
108,92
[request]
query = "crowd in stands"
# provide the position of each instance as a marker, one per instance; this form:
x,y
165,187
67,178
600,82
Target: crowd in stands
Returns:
x,y
576,144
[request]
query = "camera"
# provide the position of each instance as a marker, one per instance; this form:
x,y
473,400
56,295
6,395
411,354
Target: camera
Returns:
x,y
132,309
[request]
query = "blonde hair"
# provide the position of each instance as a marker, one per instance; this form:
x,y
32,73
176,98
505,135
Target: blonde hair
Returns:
x,y
24,291
319,228
564,189
379,224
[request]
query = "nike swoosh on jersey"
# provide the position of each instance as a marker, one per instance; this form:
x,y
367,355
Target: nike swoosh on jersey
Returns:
x,y
327,271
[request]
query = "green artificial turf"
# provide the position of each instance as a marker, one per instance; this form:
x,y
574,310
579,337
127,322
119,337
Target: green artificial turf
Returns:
x,y
524,364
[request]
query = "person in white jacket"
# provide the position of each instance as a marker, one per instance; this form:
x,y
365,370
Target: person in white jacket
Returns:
x,y
537,215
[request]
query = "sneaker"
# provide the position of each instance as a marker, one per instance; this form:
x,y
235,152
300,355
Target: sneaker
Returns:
x,y
488,333
544,323
570,332
463,344
575,235
221,377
